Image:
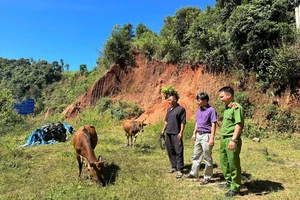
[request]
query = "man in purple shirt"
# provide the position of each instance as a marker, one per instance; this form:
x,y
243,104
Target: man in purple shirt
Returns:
x,y
203,136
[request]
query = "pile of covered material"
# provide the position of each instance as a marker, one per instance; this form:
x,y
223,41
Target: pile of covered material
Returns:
x,y
49,133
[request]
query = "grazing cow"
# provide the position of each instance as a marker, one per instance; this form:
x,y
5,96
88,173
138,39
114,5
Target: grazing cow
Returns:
x,y
84,142
132,128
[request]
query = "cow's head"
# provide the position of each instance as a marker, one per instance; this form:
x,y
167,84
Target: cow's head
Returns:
x,y
97,171
140,125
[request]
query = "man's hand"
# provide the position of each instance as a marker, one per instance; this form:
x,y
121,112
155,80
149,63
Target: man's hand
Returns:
x,y
179,136
193,138
231,145
211,142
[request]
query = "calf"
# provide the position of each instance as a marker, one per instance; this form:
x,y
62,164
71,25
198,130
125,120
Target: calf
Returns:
x,y
132,128
84,142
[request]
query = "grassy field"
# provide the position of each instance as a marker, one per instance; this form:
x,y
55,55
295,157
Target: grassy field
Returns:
x,y
271,169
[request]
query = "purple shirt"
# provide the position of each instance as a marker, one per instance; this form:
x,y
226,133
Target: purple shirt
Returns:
x,y
205,117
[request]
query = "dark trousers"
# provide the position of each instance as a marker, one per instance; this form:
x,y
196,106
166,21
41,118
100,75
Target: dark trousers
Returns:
x,y
175,151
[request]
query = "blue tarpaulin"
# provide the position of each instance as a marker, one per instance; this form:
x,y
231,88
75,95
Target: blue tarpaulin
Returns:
x,y
24,107
48,134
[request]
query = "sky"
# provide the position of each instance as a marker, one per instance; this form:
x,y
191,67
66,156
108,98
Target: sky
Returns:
x,y
75,30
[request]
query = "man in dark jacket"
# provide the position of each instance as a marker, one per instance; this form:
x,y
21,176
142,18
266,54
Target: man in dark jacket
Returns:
x,y
174,126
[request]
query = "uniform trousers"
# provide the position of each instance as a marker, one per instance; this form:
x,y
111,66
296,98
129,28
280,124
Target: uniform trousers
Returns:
x,y
230,163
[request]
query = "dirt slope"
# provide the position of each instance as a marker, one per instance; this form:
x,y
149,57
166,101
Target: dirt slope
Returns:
x,y
142,85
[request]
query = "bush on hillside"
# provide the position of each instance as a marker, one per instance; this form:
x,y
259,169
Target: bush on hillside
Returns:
x,y
9,117
243,99
119,110
252,129
169,91
282,121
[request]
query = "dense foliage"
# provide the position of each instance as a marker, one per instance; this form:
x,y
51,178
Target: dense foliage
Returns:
x,y
8,116
27,78
257,35
238,36
42,81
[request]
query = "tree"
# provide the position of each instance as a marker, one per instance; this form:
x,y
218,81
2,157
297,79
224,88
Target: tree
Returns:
x,y
183,19
117,49
168,48
141,29
145,41
254,29
83,69
67,66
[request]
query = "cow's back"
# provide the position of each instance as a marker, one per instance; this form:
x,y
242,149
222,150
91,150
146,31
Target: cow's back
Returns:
x,y
85,134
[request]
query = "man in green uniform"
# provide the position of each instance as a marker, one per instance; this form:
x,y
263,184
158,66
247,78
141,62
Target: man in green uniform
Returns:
x,y
231,143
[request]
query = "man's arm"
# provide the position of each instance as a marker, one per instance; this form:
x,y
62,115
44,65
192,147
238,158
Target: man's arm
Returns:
x,y
212,134
194,134
236,134
181,131
164,127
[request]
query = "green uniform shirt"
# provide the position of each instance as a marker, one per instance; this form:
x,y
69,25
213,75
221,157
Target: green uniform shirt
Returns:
x,y
233,114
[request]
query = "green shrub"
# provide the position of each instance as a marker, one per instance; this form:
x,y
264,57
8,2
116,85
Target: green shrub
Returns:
x,y
119,110
168,91
103,104
243,99
271,110
280,120
9,117
252,129
283,121
123,110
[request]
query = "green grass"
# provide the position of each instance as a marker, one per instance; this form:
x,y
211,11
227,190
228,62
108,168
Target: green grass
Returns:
x,y
271,168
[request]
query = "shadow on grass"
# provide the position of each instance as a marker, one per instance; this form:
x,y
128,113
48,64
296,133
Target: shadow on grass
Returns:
x,y
261,187
257,187
111,173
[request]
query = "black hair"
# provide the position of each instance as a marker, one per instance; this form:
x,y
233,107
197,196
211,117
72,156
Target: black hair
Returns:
x,y
227,89
202,96
175,94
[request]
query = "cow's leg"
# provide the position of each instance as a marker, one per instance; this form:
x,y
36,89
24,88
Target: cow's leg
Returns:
x,y
127,139
134,139
83,161
79,165
130,140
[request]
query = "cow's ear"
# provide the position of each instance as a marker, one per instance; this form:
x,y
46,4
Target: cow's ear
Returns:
x,y
144,124
100,158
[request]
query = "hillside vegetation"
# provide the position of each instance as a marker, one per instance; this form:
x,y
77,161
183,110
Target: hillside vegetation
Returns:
x,y
249,45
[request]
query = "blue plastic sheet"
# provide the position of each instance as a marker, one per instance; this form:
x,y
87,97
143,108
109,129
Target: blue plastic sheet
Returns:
x,y
42,136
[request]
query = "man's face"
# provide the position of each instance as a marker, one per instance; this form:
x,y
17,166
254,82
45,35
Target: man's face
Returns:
x,y
201,103
172,101
225,97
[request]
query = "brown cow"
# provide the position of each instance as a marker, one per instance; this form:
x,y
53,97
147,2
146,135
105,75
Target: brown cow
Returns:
x,y
132,128
84,142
